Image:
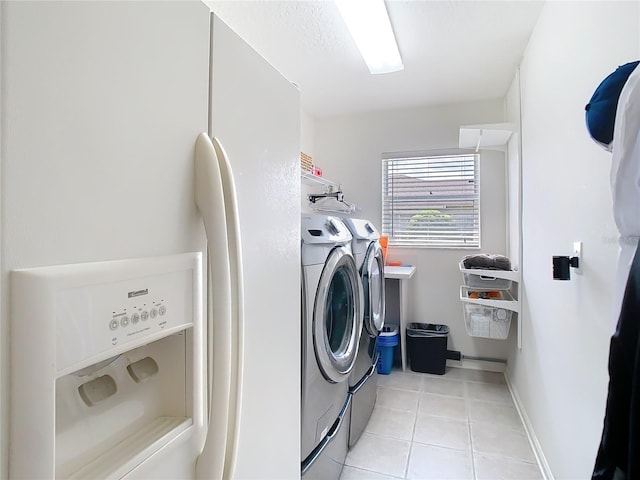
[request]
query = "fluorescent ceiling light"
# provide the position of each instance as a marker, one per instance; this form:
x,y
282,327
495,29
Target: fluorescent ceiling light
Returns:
x,y
370,27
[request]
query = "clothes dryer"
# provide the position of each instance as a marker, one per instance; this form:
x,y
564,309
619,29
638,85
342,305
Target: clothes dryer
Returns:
x,y
332,303
363,381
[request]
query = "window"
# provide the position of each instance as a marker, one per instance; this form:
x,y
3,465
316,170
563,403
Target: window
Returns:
x,y
431,201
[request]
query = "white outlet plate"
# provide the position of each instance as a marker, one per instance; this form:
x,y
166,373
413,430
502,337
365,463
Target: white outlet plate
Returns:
x,y
577,252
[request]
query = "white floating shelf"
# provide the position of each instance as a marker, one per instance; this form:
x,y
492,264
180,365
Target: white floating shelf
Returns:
x,y
484,136
512,275
315,181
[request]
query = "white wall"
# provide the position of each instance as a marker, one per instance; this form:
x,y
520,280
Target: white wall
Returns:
x,y
4,367
308,146
514,175
560,374
307,133
349,150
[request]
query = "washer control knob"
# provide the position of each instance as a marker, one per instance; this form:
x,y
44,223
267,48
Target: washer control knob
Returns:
x,y
154,313
135,318
124,321
162,310
113,324
144,316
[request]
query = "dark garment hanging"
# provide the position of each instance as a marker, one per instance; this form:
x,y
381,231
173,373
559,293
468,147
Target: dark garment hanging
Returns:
x,y
619,453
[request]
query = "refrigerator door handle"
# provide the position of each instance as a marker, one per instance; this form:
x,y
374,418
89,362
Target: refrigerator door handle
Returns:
x,y
215,198
237,306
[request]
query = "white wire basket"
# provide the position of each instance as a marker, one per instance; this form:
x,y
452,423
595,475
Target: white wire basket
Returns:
x,y
487,322
487,316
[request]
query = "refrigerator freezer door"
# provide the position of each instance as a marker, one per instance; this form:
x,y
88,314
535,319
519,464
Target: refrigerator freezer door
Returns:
x,y
255,113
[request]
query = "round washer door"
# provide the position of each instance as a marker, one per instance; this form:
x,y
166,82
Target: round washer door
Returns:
x,y
337,316
373,283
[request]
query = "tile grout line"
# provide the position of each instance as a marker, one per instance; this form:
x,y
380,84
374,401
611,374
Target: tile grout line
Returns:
x,y
468,410
413,430
363,469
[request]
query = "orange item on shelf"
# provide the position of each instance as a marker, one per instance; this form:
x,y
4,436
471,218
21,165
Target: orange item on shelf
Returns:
x,y
384,242
394,264
485,295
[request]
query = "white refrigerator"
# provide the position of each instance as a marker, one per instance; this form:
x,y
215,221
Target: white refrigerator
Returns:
x,y
101,105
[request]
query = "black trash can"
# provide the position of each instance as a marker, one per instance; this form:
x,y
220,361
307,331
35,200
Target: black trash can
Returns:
x,y
427,344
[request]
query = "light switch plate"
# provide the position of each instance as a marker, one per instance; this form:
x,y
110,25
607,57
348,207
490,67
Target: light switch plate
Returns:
x,y
577,252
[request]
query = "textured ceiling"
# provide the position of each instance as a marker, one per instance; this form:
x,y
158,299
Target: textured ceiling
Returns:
x,y
453,51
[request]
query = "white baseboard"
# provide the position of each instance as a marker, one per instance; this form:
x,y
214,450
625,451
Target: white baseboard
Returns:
x,y
531,434
478,365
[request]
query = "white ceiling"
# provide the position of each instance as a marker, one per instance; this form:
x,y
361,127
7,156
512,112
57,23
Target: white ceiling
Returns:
x,y
453,51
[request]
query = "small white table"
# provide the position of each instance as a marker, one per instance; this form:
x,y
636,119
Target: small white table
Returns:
x,y
402,274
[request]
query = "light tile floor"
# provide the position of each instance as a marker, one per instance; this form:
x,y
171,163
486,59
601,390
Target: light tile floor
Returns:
x,y
462,425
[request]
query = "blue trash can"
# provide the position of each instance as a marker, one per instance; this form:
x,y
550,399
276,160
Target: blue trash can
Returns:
x,y
387,340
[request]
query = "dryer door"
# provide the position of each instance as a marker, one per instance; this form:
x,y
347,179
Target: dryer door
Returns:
x,y
337,316
373,283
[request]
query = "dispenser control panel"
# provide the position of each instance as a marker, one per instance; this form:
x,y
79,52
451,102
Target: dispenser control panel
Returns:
x,y
141,315
104,317
121,319
97,310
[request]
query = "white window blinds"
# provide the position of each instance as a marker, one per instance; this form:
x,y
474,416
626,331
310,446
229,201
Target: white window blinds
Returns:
x,y
431,201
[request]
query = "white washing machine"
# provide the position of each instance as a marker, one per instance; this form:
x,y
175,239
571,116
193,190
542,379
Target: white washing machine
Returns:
x,y
363,381
332,303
